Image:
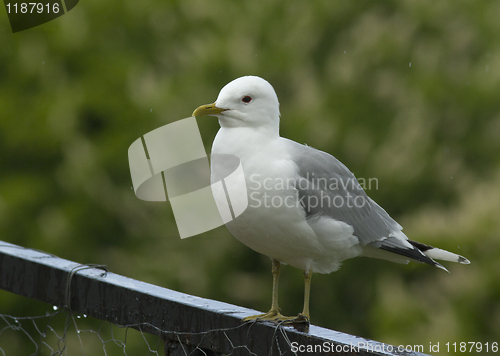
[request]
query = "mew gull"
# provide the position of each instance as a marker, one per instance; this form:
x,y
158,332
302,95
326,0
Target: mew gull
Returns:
x,y
305,208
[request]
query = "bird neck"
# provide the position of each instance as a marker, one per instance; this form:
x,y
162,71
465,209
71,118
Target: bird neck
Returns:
x,y
243,140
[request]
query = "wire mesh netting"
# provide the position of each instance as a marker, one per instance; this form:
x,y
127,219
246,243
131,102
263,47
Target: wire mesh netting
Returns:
x,y
60,332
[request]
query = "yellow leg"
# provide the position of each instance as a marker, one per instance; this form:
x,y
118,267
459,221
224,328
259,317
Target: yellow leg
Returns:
x,y
274,313
307,292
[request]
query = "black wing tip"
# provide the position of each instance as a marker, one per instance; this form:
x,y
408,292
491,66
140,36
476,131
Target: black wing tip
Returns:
x,y
439,265
422,247
413,253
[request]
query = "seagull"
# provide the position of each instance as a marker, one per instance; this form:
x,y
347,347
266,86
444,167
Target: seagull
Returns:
x,y
305,208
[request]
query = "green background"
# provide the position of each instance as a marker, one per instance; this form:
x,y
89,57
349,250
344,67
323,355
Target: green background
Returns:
x,y
407,92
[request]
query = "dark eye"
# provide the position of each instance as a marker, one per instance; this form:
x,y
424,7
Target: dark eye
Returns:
x,y
246,99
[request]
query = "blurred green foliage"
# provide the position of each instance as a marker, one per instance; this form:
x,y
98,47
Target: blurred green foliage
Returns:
x,y
403,91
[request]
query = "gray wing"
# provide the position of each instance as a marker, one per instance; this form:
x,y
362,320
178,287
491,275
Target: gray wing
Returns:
x,y
327,188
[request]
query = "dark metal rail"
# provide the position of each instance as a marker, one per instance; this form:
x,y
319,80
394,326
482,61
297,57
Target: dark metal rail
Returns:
x,y
188,324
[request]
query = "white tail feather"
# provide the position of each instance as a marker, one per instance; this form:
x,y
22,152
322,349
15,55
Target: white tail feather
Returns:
x,y
439,254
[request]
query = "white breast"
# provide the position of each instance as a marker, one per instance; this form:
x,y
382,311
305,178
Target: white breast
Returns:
x,y
274,223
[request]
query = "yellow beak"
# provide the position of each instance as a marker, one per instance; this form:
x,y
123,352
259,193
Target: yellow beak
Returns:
x,y
209,109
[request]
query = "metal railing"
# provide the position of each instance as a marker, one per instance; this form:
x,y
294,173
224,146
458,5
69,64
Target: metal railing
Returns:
x,y
189,325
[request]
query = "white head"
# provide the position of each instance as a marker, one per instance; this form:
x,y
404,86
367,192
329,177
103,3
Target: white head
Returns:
x,y
245,102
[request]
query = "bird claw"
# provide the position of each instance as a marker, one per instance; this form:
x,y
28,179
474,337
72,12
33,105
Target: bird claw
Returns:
x,y
276,316
301,318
